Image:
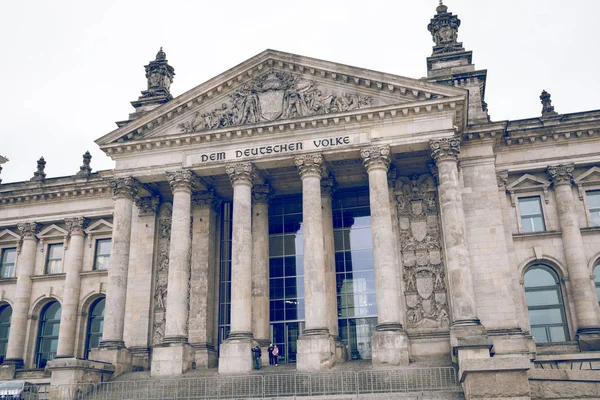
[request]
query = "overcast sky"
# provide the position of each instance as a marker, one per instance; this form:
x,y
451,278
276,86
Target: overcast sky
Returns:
x,y
70,68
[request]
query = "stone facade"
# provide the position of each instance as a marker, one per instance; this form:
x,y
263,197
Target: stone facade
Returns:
x,y
467,218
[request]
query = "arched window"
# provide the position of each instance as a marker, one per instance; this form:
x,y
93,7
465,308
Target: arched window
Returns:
x,y
94,326
5,314
47,340
597,278
545,305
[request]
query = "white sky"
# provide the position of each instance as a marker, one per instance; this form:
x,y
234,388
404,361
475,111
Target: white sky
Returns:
x,y
70,68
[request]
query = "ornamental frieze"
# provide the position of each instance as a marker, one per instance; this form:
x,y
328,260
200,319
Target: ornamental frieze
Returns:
x,y
421,250
162,278
271,97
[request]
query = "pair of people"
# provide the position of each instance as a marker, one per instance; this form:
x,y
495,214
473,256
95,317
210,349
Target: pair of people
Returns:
x,y
273,354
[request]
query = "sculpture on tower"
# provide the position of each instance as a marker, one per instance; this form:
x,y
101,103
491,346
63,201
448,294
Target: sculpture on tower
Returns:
x,y
444,30
159,75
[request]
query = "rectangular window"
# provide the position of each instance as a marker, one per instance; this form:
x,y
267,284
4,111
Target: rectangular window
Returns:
x,y
593,200
102,258
7,263
532,219
54,261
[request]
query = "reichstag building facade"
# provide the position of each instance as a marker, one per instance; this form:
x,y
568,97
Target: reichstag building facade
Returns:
x,y
341,213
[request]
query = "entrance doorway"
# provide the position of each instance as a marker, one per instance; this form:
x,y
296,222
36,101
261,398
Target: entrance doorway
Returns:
x,y
285,335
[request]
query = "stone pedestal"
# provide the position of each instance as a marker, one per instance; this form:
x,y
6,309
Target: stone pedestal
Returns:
x,y
7,370
171,359
315,352
205,356
78,375
389,348
119,357
589,339
235,356
495,378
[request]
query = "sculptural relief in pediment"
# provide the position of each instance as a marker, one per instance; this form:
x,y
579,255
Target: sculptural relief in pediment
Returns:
x,y
274,96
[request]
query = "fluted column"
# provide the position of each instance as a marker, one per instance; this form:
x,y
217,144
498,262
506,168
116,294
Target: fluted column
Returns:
x,y
25,265
70,304
242,177
445,154
235,353
584,294
327,189
124,190
176,326
261,195
310,168
377,161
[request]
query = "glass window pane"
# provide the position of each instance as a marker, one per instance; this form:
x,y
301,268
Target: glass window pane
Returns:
x,y
530,206
276,288
557,334
597,274
539,335
275,267
542,297
275,246
593,199
536,277
547,316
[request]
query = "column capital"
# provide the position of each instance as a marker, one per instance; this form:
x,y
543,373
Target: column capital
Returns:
x,y
183,179
76,225
28,229
147,205
124,187
207,198
262,194
561,174
445,149
376,157
242,172
328,186
502,179
310,165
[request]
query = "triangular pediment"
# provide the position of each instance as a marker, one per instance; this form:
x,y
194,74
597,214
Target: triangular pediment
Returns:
x,y
7,236
589,177
281,89
99,227
52,231
528,182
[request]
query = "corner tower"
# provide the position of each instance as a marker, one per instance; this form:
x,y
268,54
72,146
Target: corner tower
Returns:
x,y
450,64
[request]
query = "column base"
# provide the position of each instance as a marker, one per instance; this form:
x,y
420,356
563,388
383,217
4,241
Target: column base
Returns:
x,y
589,339
120,358
171,359
8,369
316,350
496,378
511,341
389,347
140,358
236,356
469,340
205,356
341,350
73,371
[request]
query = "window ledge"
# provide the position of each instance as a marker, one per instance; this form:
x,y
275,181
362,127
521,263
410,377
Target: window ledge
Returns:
x,y
99,272
48,277
557,348
12,279
536,234
591,229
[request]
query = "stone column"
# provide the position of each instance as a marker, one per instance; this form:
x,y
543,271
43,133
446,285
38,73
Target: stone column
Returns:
x,y
261,195
464,313
19,319
174,356
315,347
70,303
327,188
235,355
389,341
203,284
584,294
112,348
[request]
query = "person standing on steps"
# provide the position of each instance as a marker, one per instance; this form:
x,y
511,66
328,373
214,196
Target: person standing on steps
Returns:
x,y
275,354
271,359
256,353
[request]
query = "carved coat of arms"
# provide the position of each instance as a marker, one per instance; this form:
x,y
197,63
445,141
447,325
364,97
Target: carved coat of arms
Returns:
x,y
274,96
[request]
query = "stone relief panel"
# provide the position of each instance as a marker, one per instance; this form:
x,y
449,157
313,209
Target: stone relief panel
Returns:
x,y
273,96
162,278
421,250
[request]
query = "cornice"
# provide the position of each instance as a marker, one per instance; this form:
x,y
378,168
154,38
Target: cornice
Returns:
x,y
306,124
52,191
269,59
